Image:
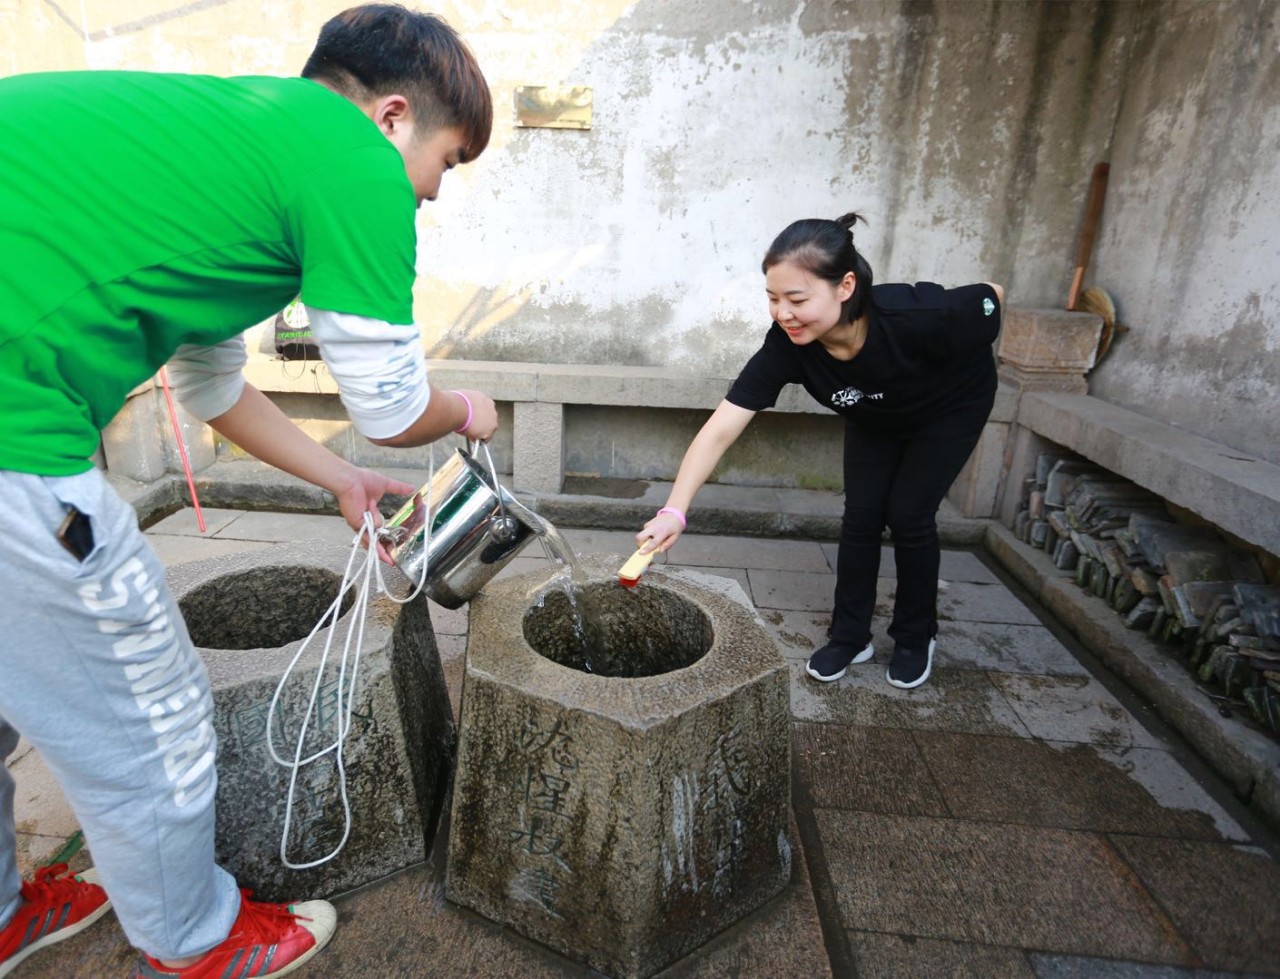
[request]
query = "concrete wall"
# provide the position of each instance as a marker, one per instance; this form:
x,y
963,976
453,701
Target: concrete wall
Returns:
x,y
965,132
1189,247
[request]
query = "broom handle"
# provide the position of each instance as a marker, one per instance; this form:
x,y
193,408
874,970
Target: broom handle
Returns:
x,y
1092,214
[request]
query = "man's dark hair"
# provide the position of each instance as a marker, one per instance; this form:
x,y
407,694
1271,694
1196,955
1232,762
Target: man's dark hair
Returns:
x,y
382,49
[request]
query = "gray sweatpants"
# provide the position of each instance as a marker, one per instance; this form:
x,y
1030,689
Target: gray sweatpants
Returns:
x,y
98,672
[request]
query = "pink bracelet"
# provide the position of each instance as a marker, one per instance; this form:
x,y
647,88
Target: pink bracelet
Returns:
x,y
684,521
470,413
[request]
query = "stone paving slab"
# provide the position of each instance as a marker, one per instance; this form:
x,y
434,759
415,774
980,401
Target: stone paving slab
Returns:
x,y
1221,897
530,559
174,549
448,621
184,522
748,552
297,527
1000,647
402,926
967,601
870,769
735,574
952,700
989,646
1244,757
797,633
591,540
42,817
958,601
1071,786
1025,887
908,957
804,591
1072,708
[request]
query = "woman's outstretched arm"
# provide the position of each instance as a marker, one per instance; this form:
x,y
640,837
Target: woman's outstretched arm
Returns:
x,y
719,432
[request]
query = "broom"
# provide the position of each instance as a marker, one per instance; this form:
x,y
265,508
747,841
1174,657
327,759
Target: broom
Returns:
x,y
1094,299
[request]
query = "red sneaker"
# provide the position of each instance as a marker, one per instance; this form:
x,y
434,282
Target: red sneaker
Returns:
x,y
54,906
266,940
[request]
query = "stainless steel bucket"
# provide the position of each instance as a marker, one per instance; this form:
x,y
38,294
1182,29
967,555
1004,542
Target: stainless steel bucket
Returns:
x,y
476,527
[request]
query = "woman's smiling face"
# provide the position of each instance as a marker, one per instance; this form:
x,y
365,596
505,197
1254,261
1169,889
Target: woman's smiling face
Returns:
x,y
805,306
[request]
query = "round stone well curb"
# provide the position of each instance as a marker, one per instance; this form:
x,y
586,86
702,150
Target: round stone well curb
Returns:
x,y
248,614
622,821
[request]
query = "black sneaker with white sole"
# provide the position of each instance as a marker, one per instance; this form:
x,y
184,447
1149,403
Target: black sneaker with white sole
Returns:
x,y
830,662
910,668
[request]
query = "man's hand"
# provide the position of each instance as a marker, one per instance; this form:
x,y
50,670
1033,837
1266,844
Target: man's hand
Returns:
x,y
361,493
484,416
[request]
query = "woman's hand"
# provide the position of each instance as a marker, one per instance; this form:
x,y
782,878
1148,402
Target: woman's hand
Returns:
x,y
360,493
660,533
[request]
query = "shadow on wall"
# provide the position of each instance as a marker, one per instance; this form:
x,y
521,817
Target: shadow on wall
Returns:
x,y
165,12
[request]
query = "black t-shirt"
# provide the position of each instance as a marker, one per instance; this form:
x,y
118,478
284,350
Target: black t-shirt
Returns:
x,y
927,362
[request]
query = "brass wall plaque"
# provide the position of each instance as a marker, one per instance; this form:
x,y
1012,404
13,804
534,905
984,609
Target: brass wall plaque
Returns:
x,y
553,106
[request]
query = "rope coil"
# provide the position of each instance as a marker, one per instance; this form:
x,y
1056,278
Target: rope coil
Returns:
x,y
364,577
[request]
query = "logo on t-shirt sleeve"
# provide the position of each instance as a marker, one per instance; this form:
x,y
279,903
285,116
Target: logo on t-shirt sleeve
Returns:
x,y
851,396
988,307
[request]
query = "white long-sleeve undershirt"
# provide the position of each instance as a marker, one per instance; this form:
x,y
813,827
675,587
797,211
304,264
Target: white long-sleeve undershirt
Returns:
x,y
380,370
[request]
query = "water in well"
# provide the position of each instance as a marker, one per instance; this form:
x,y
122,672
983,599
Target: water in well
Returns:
x,y
614,631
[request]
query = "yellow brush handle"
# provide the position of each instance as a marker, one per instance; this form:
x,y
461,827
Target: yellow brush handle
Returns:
x,y
635,566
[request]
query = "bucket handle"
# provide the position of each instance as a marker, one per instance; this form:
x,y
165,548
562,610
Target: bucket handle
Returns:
x,y
505,527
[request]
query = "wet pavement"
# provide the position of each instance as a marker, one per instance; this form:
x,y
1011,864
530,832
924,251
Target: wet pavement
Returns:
x,y
1022,814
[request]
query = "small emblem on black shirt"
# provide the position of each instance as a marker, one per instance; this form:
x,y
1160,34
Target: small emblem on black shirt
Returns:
x,y
851,396
988,306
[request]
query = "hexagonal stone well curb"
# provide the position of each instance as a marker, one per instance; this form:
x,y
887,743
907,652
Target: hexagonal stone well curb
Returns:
x,y
621,819
248,614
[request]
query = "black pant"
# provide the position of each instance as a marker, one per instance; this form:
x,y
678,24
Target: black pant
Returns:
x,y
895,481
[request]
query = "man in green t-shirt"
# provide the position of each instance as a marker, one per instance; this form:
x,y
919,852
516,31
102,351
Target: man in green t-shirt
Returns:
x,y
148,219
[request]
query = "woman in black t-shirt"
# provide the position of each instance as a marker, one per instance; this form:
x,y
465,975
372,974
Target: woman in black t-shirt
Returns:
x,y
911,370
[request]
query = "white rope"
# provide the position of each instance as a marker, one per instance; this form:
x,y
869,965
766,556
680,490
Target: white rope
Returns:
x,y
362,577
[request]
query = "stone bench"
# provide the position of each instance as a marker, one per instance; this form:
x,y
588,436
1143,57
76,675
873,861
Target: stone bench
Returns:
x,y
1237,492
552,406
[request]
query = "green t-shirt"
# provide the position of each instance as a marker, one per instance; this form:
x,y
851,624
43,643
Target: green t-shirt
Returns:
x,y
139,212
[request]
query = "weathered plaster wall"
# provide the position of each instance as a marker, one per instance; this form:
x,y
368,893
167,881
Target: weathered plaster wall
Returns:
x,y
965,132
1190,242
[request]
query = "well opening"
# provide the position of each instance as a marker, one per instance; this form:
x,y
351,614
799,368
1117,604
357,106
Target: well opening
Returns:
x,y
260,608
618,632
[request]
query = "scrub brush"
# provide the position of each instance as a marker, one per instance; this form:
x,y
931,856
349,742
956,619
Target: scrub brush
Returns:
x,y
631,572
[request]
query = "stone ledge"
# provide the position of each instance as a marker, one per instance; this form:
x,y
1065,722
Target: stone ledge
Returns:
x,y
1246,758
745,511
570,384
1236,492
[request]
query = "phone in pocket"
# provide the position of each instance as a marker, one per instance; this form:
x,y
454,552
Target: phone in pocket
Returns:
x,y
75,533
